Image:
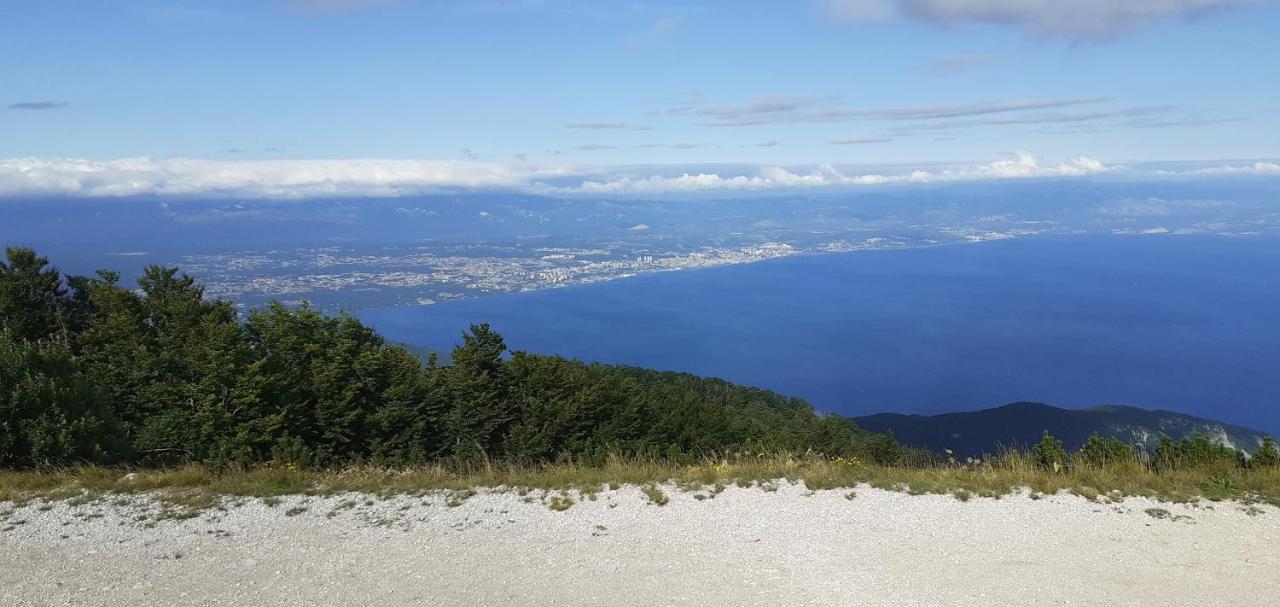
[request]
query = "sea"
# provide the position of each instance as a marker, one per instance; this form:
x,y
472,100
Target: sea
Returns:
x,y
1176,322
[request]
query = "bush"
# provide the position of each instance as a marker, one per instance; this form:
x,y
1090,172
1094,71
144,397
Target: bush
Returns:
x,y
1198,450
1049,454
1266,456
1100,452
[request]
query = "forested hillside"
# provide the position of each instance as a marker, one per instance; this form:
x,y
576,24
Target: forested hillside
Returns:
x,y
977,433
92,371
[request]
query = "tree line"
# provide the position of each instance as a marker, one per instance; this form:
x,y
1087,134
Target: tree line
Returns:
x,y
1189,452
92,371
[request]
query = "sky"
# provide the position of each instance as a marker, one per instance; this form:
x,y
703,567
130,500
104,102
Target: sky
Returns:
x,y
308,97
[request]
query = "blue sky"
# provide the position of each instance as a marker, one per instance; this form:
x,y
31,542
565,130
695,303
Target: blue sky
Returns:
x,y
573,83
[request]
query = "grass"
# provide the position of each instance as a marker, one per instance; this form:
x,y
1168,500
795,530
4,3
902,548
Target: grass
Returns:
x,y
195,488
655,495
457,498
344,505
559,503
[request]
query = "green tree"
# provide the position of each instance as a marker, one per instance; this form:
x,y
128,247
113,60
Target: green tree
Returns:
x,y
884,449
1197,450
49,411
1100,452
1048,453
561,407
407,426
91,371
1267,455
33,300
478,389
173,363
321,380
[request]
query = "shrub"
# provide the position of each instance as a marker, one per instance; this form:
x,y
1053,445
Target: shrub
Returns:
x,y
1048,453
1099,452
1267,455
1198,450
884,449
560,503
655,495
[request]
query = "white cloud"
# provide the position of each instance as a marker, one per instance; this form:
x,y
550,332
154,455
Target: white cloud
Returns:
x,y
1069,18
297,179
1024,166
265,179
1257,168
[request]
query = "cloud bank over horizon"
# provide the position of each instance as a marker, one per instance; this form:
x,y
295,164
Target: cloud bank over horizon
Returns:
x,y
1024,166
378,178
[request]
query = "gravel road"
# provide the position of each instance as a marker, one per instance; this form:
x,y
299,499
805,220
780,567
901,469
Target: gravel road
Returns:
x,y
742,547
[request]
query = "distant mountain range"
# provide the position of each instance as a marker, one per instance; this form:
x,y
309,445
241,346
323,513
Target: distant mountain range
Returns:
x,y
974,433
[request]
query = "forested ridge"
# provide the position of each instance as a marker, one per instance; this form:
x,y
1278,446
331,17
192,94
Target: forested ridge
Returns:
x,y
92,371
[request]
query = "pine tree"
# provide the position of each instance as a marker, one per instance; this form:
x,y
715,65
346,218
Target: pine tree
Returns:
x,y
33,300
479,392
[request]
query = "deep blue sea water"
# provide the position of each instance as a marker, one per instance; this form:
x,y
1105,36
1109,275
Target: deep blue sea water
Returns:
x,y
1187,323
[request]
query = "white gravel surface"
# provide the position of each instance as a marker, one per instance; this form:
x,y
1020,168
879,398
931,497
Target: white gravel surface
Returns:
x,y
744,547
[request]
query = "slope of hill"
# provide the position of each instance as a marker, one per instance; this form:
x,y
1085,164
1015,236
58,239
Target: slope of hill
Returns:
x,y
973,433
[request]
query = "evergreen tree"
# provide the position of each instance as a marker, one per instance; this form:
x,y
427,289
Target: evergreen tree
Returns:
x,y
321,380
173,363
564,407
33,300
49,411
478,388
92,371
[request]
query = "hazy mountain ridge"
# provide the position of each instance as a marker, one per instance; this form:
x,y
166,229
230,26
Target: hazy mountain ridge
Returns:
x,y
973,433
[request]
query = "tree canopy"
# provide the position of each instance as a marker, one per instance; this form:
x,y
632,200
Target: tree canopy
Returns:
x,y
93,371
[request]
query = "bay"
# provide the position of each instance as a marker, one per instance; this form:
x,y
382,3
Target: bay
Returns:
x,y
1186,323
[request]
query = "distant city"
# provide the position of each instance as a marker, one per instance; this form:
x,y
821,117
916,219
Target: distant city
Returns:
x,y
424,275
372,253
